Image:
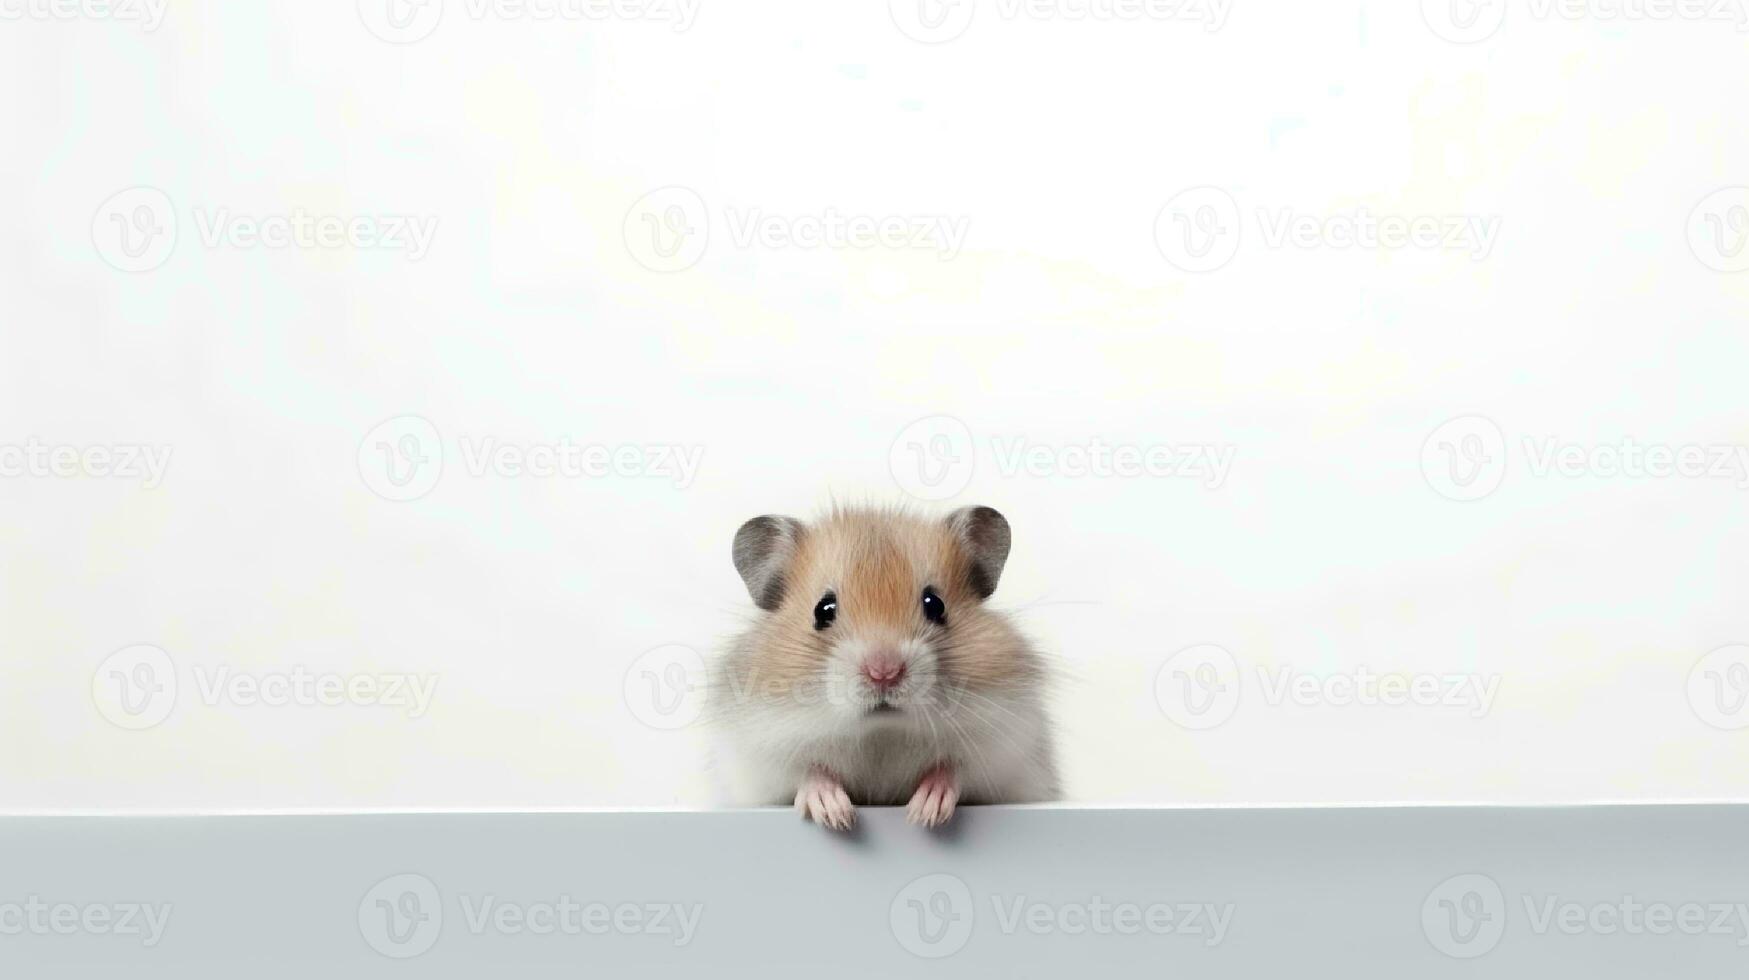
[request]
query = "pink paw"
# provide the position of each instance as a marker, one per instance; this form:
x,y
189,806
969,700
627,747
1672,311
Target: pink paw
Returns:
x,y
822,799
934,800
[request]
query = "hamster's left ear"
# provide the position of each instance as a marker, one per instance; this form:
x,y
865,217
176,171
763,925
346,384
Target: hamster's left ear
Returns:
x,y
986,537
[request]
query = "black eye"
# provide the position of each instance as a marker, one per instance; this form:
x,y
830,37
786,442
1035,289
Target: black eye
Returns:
x,y
934,609
825,611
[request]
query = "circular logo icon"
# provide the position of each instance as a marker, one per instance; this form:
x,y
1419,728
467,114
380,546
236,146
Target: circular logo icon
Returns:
x,y
135,687
664,687
401,916
667,229
401,21
933,458
931,21
1718,230
1198,687
1465,459
401,459
1464,21
932,916
1464,916
1718,688
135,230
1198,229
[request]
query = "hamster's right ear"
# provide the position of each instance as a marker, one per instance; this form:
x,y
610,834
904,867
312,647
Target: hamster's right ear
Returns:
x,y
764,547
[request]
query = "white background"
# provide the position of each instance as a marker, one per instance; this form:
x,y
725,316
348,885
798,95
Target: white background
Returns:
x,y
1605,309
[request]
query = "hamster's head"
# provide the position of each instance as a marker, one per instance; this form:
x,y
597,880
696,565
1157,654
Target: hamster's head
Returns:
x,y
876,617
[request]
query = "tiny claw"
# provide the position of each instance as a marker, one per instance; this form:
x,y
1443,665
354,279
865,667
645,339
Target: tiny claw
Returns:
x,y
937,793
822,799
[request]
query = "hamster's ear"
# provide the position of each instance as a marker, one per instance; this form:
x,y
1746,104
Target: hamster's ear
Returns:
x,y
984,532
763,549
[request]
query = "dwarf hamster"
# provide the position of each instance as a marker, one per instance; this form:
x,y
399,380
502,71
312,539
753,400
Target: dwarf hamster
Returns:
x,y
875,674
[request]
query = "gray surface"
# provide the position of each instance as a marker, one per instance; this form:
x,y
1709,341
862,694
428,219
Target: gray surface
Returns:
x,y
1309,891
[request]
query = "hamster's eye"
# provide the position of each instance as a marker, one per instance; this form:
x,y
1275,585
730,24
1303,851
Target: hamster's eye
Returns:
x,y
825,611
934,609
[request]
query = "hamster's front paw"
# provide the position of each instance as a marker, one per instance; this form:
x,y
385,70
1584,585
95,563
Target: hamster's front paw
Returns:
x,y
822,799
936,795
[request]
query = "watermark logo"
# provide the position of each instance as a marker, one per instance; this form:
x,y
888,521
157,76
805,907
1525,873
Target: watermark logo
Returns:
x,y
1471,21
1201,687
1464,21
938,21
668,229
1465,458
1198,687
665,687
409,21
401,916
933,458
401,21
1198,229
932,917
401,459
135,687
135,229
1464,916
1718,688
1718,230
932,21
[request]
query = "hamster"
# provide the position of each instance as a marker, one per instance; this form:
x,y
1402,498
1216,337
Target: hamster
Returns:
x,y
874,673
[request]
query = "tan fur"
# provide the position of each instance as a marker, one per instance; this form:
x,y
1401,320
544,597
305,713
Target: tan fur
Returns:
x,y
878,562
788,699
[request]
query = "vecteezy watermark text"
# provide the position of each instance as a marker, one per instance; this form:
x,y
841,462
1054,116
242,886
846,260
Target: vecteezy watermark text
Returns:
x,y
566,459
935,915
138,687
1200,229
565,916
1465,916
1466,458
149,14
36,917
934,458
136,230
937,21
1201,687
402,459
409,21
301,229
301,687
669,230
1470,21
122,461
402,916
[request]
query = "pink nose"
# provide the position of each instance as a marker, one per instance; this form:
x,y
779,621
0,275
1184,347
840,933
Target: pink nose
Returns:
x,y
884,671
